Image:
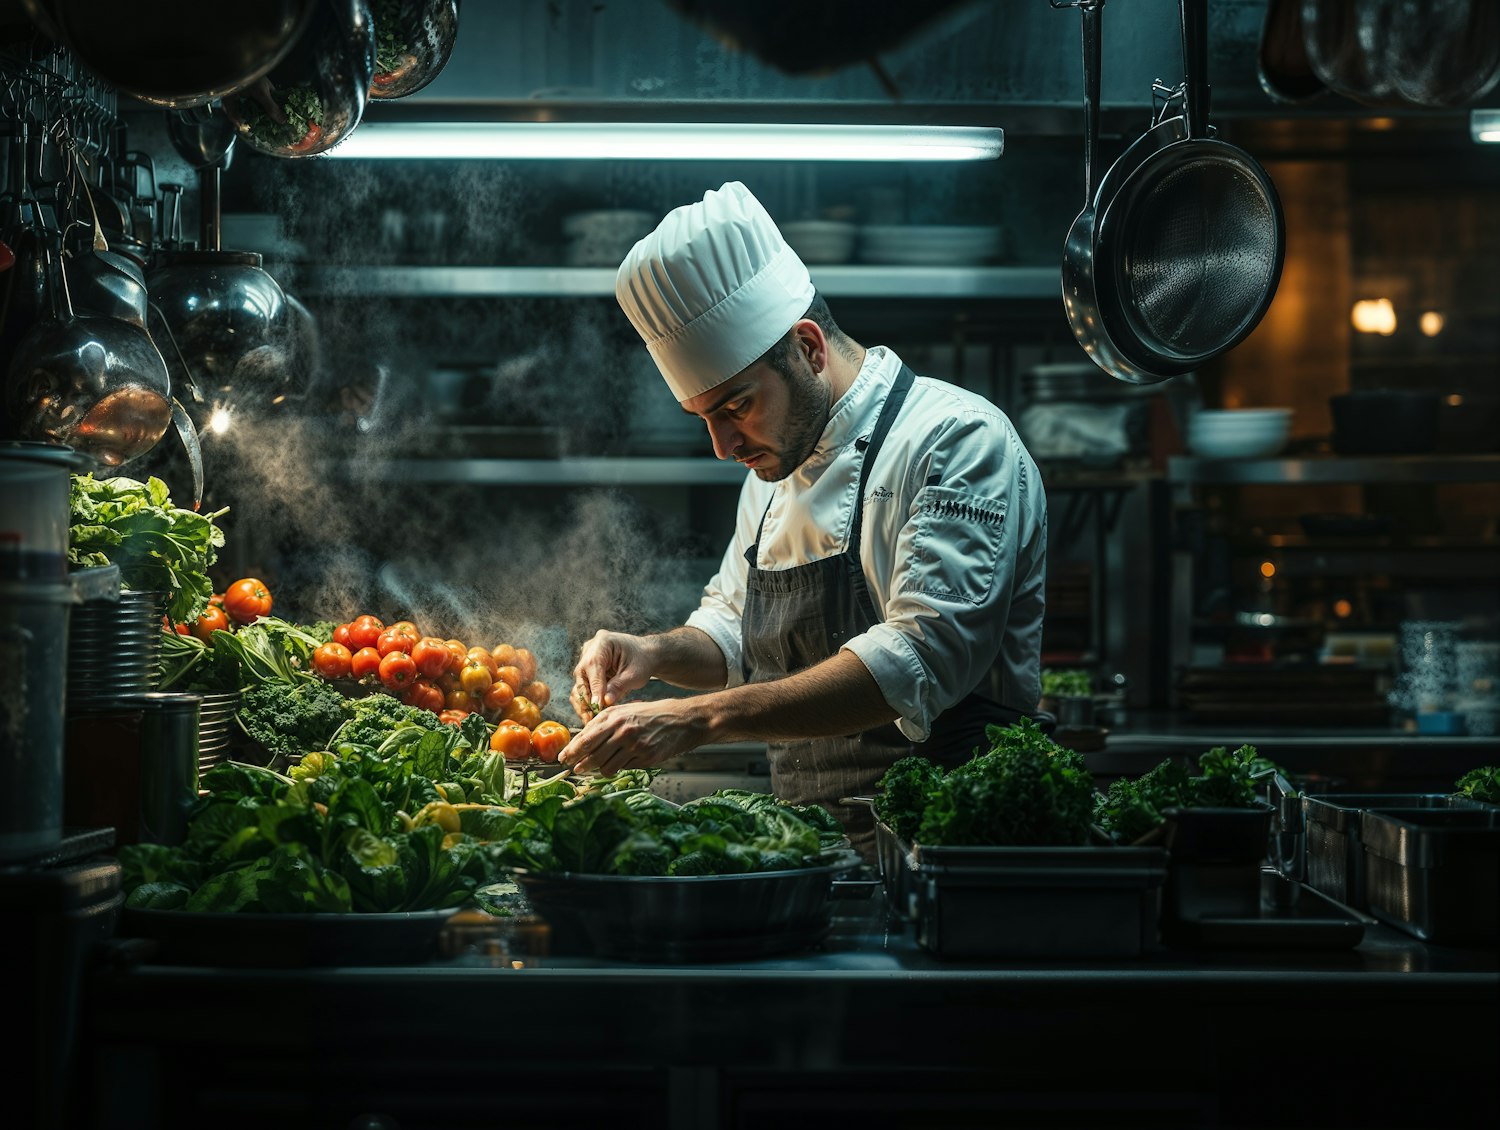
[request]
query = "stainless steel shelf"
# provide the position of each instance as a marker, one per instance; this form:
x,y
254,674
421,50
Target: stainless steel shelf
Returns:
x,y
853,281
583,471
1349,469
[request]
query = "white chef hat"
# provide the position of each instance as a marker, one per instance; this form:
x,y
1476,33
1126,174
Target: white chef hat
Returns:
x,y
712,288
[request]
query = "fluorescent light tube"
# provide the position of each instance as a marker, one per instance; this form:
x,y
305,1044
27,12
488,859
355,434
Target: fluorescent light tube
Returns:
x,y
1484,125
671,141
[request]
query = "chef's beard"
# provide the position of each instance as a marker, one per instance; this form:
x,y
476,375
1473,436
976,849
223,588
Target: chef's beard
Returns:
x,y
808,404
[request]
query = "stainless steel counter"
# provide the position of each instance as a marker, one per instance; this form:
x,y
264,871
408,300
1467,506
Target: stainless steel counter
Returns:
x,y
868,1030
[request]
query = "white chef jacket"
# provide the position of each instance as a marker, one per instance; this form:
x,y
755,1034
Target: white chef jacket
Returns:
x,y
954,544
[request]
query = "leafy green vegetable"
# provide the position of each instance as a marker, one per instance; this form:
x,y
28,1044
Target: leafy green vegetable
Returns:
x,y
301,106
1066,682
904,790
1482,784
1130,809
159,547
392,51
189,664
290,720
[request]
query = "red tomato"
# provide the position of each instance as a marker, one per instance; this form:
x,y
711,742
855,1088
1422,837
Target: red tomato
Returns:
x,y
341,635
397,671
458,654
365,661
406,627
548,740
511,675
246,600
364,631
424,696
431,656
539,693
391,640
333,661
512,741
213,620
168,626
311,138
524,711
482,655
452,717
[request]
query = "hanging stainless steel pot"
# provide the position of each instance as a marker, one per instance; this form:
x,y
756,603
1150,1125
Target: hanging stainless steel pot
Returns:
x,y
1286,74
97,385
413,40
316,96
175,52
1177,255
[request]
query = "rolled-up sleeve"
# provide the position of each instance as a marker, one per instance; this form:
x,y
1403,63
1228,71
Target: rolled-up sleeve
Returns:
x,y
721,608
951,578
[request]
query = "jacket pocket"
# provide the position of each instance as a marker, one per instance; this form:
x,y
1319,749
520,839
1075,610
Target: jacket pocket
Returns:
x,y
956,543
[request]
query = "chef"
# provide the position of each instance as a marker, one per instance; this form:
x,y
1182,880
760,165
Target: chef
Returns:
x,y
889,545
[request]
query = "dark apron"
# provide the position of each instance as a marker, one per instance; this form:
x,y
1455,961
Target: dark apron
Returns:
x,y
795,618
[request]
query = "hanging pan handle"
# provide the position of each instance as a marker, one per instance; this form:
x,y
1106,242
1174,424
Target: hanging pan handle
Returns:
x,y
1195,65
1092,13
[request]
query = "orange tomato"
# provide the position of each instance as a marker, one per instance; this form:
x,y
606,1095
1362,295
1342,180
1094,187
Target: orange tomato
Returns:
x,y
497,696
461,700
512,741
213,619
246,600
539,693
505,655
511,675
406,627
527,663
332,661
524,711
475,677
548,740
365,661
431,656
458,654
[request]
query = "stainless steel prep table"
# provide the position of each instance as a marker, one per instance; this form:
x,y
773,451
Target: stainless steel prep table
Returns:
x,y
868,1031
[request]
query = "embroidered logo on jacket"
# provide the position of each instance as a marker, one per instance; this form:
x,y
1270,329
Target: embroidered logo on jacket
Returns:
x,y
879,494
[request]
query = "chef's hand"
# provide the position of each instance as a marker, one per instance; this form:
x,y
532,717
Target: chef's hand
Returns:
x,y
635,735
610,666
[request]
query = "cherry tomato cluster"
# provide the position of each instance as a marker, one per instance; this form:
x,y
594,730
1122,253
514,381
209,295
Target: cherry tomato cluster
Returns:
x,y
241,603
450,679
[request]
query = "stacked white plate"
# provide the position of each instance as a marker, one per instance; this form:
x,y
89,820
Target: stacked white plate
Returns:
x,y
820,241
114,649
603,238
929,244
1239,433
215,717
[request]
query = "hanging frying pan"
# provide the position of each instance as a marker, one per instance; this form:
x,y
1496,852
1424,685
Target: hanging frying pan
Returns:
x,y
1177,254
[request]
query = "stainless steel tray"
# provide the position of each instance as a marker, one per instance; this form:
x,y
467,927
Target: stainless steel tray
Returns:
x,y
1434,872
1290,917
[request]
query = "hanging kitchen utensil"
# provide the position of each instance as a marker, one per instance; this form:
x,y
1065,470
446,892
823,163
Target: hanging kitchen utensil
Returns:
x,y
1349,47
413,40
316,96
97,385
175,53
1285,73
1446,53
1177,255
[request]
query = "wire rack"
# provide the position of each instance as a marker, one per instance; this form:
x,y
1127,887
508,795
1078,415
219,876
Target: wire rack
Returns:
x,y
47,89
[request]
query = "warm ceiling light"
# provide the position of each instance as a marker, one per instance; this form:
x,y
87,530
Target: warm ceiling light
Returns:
x,y
1484,125
1268,569
1431,323
1374,316
671,141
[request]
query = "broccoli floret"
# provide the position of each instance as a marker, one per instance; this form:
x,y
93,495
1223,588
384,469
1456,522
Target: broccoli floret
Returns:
x,y
374,717
290,720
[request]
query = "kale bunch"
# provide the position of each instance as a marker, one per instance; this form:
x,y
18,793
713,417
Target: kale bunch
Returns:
x,y
288,720
1025,790
1482,784
1130,809
903,794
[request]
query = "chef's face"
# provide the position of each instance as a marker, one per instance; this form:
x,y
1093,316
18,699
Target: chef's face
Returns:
x,y
768,416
